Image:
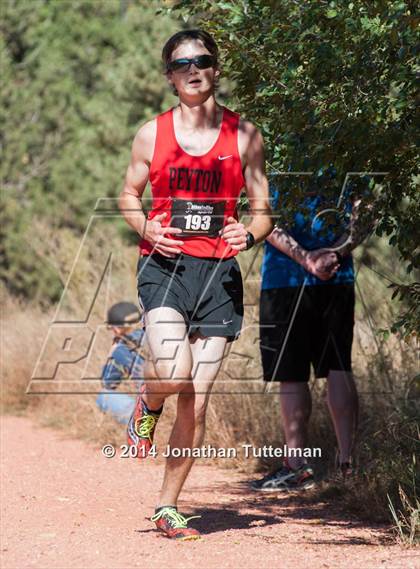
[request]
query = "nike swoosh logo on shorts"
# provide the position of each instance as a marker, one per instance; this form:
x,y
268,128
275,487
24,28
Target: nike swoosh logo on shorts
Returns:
x,y
227,321
225,157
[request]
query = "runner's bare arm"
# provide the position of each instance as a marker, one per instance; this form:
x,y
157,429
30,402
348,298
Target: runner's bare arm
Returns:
x,y
137,177
251,149
257,185
136,180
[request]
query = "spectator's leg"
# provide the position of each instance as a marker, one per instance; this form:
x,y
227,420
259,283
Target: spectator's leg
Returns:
x,y
296,406
343,404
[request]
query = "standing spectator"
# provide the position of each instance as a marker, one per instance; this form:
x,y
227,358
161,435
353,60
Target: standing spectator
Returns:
x,y
306,317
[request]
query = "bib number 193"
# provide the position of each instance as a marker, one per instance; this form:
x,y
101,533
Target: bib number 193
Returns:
x,y
197,222
198,218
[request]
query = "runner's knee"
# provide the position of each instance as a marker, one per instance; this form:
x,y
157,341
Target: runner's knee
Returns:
x,y
167,370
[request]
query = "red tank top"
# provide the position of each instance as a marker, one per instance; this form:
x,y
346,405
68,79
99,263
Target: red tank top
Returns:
x,y
197,192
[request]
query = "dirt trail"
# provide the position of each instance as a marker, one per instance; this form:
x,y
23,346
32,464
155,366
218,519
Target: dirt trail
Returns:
x,y
66,506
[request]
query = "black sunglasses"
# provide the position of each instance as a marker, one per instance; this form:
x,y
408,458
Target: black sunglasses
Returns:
x,y
184,64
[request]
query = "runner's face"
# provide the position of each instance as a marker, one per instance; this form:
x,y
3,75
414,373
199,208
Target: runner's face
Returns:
x,y
194,82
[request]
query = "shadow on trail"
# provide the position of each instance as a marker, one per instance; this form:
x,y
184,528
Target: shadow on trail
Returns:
x,y
242,508
216,519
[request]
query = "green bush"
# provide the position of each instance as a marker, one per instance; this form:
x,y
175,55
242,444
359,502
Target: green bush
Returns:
x,y
78,80
330,83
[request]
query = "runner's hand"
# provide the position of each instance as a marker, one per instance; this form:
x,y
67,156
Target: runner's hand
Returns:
x,y
322,263
155,235
234,233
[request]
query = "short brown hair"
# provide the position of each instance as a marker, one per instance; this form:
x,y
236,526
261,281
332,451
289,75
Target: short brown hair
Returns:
x,y
186,35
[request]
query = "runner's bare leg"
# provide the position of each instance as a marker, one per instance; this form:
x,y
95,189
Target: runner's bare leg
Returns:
x,y
189,427
169,370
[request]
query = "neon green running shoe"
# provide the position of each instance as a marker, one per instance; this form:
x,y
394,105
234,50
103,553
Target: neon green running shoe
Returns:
x,y
174,525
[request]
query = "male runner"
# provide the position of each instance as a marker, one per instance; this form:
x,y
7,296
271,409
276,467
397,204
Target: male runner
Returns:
x,y
197,156
307,317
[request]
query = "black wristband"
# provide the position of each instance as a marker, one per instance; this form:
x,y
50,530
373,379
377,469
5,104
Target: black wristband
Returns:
x,y
250,240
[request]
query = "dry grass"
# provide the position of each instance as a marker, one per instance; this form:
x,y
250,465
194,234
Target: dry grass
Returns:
x,y
21,340
24,328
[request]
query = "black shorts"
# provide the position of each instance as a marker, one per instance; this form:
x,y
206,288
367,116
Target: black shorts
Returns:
x,y
207,292
303,327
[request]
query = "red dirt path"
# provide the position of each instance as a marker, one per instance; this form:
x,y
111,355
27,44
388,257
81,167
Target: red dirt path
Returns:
x,y
63,505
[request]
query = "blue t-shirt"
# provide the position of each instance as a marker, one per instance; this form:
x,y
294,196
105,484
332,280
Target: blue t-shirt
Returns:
x,y
316,225
124,361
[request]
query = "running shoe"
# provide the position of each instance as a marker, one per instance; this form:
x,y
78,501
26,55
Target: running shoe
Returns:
x,y
174,525
141,426
286,479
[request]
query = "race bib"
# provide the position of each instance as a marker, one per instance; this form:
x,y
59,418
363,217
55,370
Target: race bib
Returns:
x,y
198,218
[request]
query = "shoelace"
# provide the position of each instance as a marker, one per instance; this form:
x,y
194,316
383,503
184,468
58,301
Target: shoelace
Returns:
x,y
145,426
176,520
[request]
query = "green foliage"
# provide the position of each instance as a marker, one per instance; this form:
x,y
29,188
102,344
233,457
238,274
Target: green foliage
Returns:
x,y
329,83
78,80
